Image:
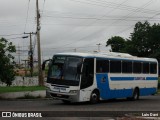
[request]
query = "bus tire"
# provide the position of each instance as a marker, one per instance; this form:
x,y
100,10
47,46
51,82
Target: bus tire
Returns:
x,y
135,95
95,96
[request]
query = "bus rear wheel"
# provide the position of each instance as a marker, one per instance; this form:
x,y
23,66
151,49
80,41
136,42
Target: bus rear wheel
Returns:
x,y
94,97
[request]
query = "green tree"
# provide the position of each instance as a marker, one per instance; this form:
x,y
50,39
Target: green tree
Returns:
x,y
140,39
154,41
143,42
117,43
6,61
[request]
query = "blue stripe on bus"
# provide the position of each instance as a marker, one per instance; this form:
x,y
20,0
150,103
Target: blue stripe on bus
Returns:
x,y
132,78
151,78
147,91
121,78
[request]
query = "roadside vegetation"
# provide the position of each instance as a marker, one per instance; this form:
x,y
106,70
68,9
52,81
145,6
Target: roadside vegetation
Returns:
x,y
7,63
144,41
20,88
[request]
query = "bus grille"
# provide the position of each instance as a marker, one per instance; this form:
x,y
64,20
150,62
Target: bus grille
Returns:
x,y
59,96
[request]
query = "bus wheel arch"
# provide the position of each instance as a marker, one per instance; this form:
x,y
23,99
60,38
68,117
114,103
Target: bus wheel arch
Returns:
x,y
95,96
135,95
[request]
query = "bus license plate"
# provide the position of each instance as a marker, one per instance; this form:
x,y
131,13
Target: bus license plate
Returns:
x,y
59,95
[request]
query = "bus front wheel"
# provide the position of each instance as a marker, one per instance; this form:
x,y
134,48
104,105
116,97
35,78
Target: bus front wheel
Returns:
x,y
94,97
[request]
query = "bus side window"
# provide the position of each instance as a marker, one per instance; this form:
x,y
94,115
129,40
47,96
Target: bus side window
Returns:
x,y
126,67
137,67
102,66
153,68
145,68
115,66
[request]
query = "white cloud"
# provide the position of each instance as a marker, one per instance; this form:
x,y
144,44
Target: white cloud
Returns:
x,y
70,24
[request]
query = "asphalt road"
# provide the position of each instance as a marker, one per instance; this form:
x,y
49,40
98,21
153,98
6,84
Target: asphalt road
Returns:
x,y
147,103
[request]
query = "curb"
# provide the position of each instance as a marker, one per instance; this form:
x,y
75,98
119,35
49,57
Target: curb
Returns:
x,y
17,99
25,94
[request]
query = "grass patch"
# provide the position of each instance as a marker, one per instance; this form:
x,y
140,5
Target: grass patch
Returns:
x,y
20,88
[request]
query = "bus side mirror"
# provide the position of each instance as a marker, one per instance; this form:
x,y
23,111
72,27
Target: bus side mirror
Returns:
x,y
50,63
44,63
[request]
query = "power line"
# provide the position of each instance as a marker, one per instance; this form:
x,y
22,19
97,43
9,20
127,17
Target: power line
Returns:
x,y
27,16
91,23
129,16
11,34
148,3
60,14
128,28
145,5
113,5
70,47
17,37
127,7
133,25
101,19
43,8
137,10
131,13
88,16
79,40
81,25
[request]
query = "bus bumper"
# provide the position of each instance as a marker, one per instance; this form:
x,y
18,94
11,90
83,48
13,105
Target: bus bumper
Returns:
x,y
72,97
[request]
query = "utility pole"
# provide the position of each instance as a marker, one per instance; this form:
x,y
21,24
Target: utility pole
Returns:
x,y
31,53
40,76
98,47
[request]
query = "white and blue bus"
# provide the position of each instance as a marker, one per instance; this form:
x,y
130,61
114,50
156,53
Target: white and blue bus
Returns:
x,y
78,77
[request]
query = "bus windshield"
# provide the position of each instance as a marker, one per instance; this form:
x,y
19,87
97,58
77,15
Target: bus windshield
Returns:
x,y
65,68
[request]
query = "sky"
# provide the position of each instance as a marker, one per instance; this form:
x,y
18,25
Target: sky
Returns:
x,y
72,25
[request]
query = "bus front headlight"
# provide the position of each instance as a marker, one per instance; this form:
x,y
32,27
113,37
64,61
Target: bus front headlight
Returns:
x,y
47,85
73,91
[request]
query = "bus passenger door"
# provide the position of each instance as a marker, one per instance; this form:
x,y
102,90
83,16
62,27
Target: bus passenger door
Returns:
x,y
87,77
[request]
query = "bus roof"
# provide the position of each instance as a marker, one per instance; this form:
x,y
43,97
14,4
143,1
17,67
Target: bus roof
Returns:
x,y
110,55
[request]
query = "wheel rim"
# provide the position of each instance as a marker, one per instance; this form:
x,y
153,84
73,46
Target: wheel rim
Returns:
x,y
135,96
94,97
